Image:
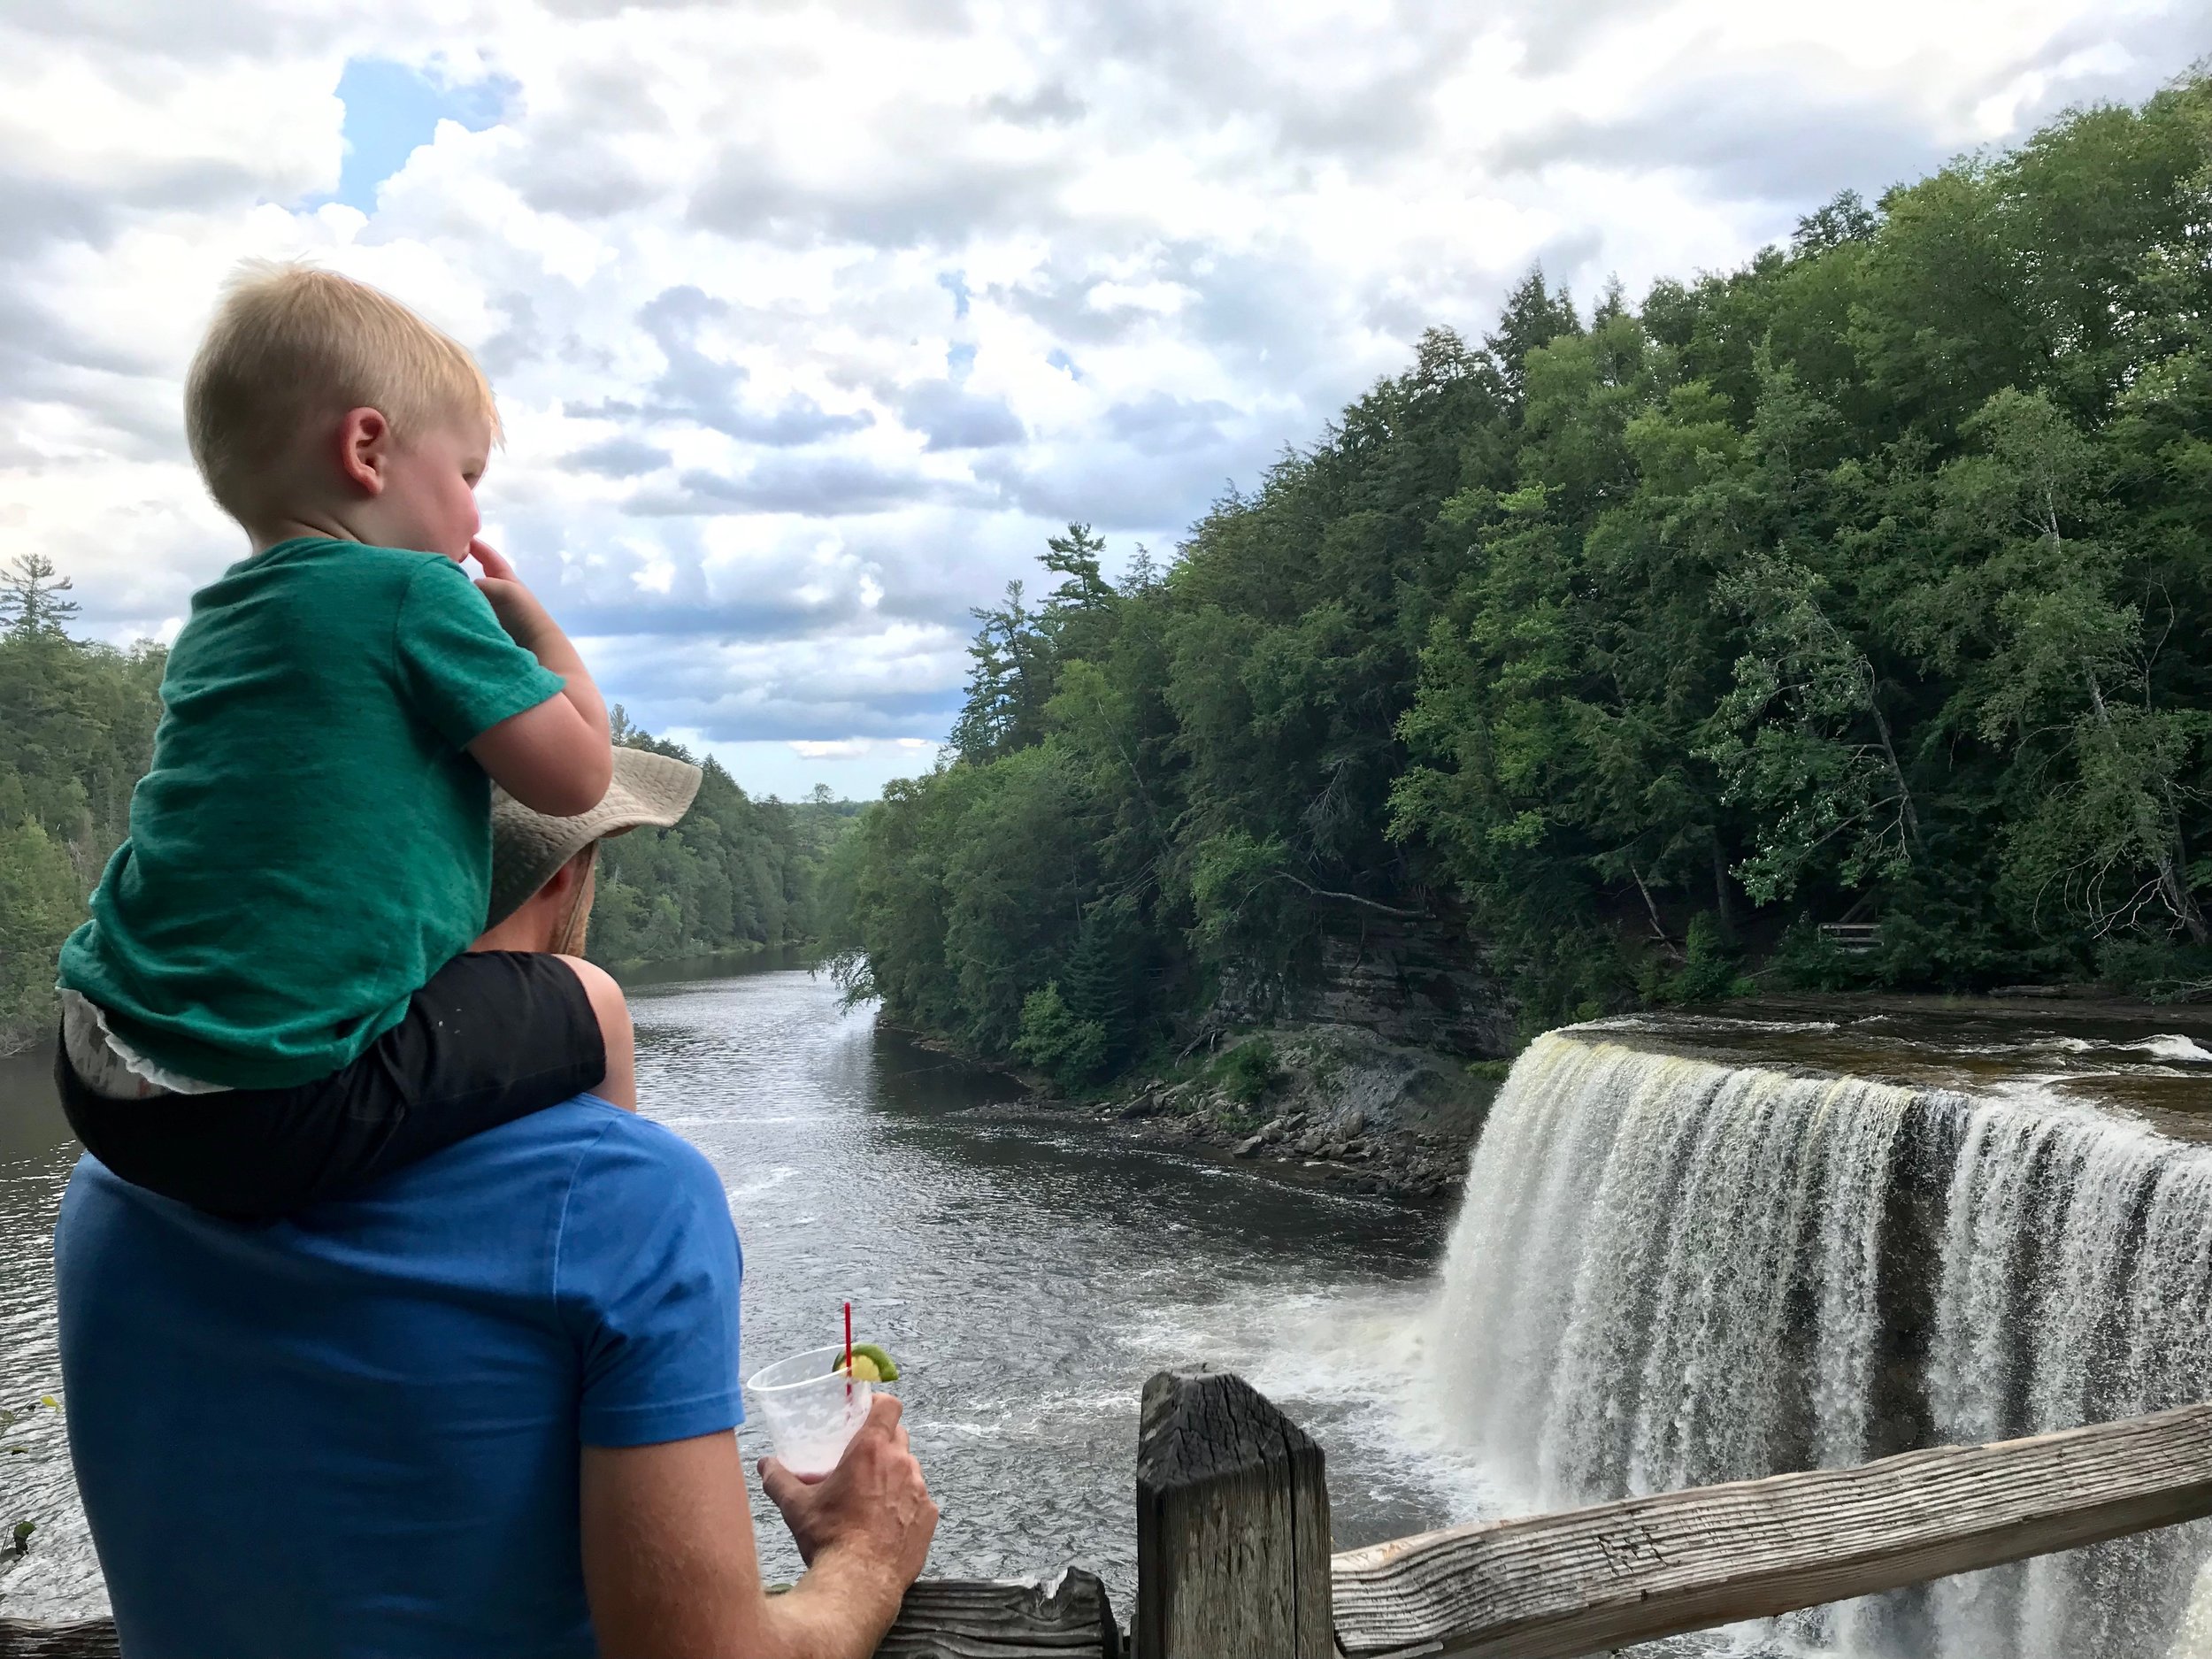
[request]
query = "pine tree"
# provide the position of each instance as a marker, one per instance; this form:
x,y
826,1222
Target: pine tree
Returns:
x,y
1534,316
1008,688
1078,618
1096,985
1075,556
30,606
1847,219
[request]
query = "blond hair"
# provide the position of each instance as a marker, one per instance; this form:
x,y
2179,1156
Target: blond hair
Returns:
x,y
290,344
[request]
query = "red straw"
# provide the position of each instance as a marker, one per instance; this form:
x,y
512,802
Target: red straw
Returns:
x,y
848,1340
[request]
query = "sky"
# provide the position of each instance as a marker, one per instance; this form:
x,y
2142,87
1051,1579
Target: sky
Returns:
x,y
809,322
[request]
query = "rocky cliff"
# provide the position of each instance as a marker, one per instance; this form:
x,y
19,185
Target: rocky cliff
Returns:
x,y
1341,1104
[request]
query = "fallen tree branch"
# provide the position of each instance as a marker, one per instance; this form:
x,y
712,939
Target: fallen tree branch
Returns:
x,y
1351,898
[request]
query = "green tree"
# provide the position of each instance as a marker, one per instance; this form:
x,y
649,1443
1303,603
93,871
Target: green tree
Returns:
x,y
2066,679
1866,580
41,900
1010,684
1057,1042
31,603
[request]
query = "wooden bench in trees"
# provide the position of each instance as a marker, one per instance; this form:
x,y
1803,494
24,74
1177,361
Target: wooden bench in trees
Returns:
x,y
1854,939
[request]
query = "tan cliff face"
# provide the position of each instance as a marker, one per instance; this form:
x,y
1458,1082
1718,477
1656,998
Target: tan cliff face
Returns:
x,y
1340,1107
1424,983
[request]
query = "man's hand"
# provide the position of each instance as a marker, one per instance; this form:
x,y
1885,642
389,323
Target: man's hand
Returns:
x,y
874,1506
527,621
668,1548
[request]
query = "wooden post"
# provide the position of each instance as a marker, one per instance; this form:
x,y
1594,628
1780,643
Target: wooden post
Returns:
x,y
1232,1526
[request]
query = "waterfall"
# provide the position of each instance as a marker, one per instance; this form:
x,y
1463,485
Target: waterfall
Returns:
x,y
1671,1272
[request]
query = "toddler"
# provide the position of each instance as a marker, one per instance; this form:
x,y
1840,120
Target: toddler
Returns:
x,y
272,1002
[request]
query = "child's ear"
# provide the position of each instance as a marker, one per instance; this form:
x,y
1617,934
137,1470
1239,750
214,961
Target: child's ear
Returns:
x,y
364,445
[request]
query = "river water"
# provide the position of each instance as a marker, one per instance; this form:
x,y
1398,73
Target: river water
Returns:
x,y
1692,1248
1029,1278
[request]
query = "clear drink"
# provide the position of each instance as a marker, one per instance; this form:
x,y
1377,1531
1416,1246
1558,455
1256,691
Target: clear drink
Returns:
x,y
809,1411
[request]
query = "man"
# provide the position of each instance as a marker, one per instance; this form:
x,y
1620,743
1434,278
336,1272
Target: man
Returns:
x,y
484,1407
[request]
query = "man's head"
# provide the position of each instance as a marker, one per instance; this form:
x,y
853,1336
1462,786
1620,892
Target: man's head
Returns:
x,y
543,868
318,399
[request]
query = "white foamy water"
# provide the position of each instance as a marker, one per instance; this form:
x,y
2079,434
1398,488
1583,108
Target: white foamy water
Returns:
x,y
1671,1272
2166,1046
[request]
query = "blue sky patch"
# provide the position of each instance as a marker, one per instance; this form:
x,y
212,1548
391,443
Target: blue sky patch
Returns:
x,y
391,109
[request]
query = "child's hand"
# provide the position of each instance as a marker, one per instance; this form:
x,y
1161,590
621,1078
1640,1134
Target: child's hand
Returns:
x,y
494,562
516,608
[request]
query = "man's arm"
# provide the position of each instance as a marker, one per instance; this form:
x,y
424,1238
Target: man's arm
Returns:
x,y
670,1570
555,758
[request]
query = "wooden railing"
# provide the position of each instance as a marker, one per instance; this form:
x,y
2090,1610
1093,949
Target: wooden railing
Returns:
x,y
1233,1556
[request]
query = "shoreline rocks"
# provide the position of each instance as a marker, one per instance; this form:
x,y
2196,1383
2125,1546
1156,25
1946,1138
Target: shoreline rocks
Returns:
x,y
1346,1109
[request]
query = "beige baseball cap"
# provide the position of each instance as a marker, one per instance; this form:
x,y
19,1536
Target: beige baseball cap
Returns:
x,y
528,847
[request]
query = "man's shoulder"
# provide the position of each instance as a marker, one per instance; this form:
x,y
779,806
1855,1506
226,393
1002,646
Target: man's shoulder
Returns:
x,y
622,1139
582,1182
631,1177
608,1173
578,1140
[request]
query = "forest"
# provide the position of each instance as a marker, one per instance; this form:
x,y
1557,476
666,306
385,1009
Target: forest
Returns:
x,y
735,874
1866,583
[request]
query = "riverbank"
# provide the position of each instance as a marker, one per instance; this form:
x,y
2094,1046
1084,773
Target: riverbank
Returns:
x,y
1331,1106
1029,1278
1342,1107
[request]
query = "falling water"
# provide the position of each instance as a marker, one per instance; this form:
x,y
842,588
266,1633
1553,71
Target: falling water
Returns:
x,y
1671,1272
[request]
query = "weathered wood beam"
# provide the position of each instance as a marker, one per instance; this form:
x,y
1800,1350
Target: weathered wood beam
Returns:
x,y
943,1618
958,1618
80,1638
1553,1586
1232,1525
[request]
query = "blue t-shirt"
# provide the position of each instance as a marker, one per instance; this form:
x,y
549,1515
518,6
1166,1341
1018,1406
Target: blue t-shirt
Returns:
x,y
357,1431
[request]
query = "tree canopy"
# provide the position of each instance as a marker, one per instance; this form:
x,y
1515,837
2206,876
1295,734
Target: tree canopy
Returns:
x,y
1866,582
732,874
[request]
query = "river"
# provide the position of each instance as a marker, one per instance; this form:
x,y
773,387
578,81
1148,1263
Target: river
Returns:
x,y
1692,1247
1029,1278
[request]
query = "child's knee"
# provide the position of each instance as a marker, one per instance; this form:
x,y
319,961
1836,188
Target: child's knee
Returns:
x,y
608,1004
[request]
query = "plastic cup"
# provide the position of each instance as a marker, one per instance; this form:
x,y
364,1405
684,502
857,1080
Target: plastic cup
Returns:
x,y
809,1411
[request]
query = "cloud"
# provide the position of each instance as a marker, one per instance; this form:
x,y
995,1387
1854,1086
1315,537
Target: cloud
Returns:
x,y
703,389
909,199
1051,104
1806,143
620,457
790,691
810,321
1160,423
953,418
824,486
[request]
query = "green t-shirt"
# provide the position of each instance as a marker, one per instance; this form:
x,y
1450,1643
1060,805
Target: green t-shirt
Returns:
x,y
312,842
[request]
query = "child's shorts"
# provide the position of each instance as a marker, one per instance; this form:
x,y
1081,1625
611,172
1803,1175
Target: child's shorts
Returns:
x,y
496,1035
